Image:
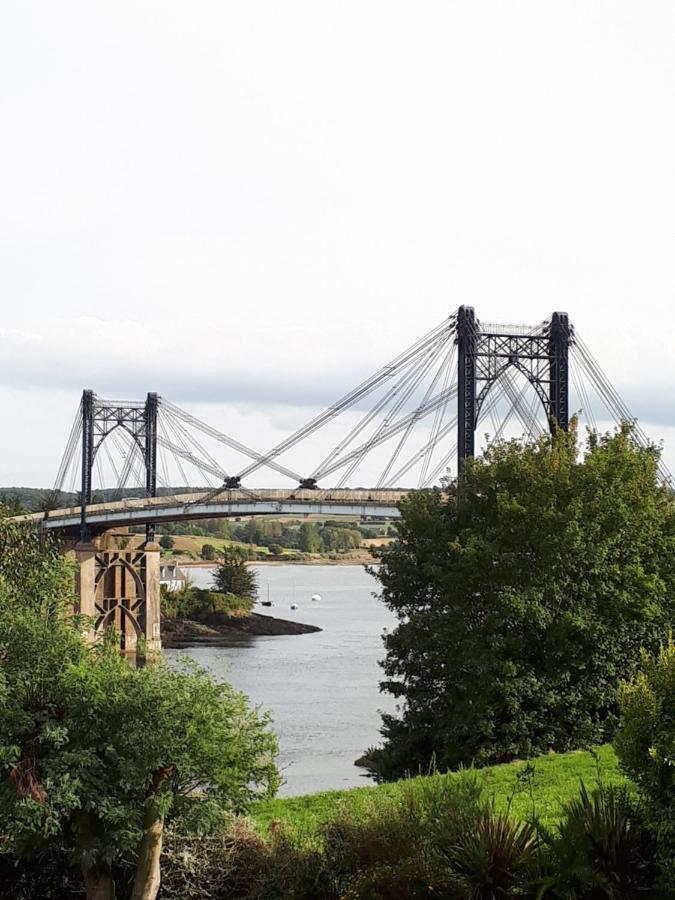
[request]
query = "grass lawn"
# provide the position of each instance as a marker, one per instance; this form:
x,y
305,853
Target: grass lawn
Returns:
x,y
543,783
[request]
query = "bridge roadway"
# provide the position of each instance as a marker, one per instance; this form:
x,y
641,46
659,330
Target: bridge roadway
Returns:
x,y
185,507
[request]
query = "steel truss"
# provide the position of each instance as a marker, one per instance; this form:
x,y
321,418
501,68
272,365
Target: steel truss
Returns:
x,y
100,418
485,352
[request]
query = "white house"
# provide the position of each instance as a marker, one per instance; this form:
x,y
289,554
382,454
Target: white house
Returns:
x,y
173,578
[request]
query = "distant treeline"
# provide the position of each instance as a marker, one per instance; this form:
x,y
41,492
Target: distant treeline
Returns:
x,y
36,499
329,535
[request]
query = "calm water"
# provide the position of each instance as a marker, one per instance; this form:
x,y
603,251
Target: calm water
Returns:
x,y
322,689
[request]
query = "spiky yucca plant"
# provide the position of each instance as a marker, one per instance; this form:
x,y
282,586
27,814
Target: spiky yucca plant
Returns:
x,y
494,859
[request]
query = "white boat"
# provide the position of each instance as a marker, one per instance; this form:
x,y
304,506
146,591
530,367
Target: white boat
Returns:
x,y
316,597
294,606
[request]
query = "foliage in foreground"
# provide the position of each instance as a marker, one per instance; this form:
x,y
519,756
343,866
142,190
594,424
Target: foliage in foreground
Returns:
x,y
524,592
431,837
645,744
423,843
96,756
426,842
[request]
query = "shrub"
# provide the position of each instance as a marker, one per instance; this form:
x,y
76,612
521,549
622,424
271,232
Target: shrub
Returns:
x,y
208,551
166,541
240,863
394,842
645,745
600,848
208,603
176,604
201,603
47,877
494,858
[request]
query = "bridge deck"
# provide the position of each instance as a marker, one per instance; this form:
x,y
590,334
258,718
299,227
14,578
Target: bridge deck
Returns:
x,y
184,507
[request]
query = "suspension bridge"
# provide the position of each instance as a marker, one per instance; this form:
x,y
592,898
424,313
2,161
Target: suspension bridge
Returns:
x,y
408,426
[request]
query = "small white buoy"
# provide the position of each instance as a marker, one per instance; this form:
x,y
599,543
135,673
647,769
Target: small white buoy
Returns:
x,y
316,597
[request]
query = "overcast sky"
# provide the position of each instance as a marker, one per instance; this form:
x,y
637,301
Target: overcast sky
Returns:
x,y
248,207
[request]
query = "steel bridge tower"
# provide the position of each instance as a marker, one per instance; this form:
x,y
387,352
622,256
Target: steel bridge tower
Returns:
x,y
541,354
99,419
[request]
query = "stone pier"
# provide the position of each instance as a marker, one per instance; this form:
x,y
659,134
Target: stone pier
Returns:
x,y
119,589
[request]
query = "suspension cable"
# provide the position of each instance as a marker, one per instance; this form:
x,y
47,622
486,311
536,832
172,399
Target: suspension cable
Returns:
x,y
228,441
412,378
365,388
368,445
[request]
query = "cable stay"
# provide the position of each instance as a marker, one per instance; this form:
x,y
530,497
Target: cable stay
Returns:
x,y
391,415
363,390
395,428
70,452
228,441
405,387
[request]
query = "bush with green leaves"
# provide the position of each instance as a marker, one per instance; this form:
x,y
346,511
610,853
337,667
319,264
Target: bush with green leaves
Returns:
x,y
600,848
206,603
645,745
524,591
96,756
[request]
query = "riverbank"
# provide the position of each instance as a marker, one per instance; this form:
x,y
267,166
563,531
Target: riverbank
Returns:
x,y
543,784
365,559
217,630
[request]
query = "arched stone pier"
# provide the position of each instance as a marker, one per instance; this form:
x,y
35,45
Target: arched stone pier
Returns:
x,y
119,589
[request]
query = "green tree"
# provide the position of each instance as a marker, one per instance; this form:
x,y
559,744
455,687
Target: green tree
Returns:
x,y
166,541
309,539
96,756
523,593
337,539
233,576
208,551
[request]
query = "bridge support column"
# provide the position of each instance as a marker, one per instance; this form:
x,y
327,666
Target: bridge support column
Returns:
x,y
466,385
119,589
85,584
559,343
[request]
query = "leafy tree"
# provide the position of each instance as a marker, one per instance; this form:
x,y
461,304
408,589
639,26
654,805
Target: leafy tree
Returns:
x,y
523,593
208,551
96,756
233,576
166,541
340,538
309,539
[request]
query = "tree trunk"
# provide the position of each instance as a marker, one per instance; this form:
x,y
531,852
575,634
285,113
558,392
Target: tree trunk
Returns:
x,y
98,883
147,878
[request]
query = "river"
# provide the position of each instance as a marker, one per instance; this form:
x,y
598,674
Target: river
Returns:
x,y
321,688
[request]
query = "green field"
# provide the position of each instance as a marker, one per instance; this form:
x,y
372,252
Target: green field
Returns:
x,y
542,784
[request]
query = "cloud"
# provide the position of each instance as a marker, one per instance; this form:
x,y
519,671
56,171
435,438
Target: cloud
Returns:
x,y
127,359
